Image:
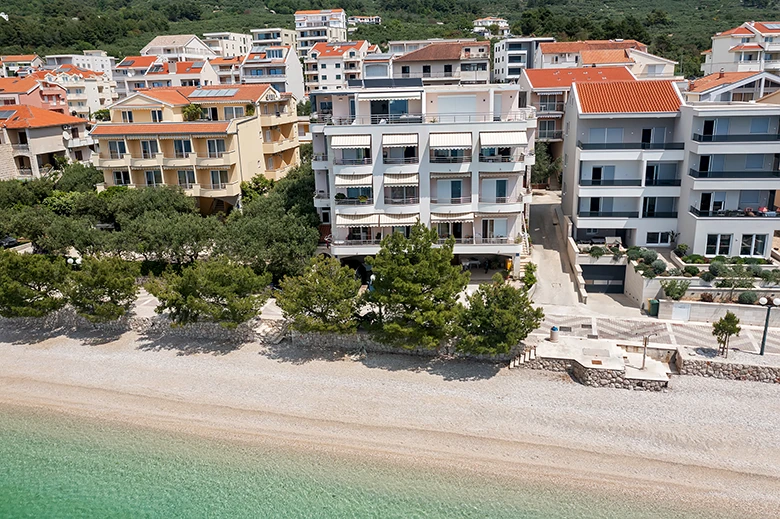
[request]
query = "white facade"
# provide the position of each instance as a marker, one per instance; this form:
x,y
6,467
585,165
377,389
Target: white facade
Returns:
x,y
94,60
364,20
465,62
273,37
512,55
330,65
277,66
180,47
141,72
483,26
86,91
751,47
455,157
313,27
228,44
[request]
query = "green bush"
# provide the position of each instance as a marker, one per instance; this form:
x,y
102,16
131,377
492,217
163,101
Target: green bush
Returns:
x,y
756,270
659,266
718,269
674,271
690,269
681,250
722,259
695,259
649,273
634,253
649,256
597,252
675,289
747,298
707,276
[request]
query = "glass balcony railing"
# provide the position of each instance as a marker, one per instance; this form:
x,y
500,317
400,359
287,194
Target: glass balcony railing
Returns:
x,y
630,145
745,174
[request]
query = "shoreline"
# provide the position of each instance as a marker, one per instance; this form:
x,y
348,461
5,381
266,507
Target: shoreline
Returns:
x,y
451,426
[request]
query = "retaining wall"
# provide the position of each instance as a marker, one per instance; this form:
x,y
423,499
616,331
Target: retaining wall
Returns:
x,y
723,369
595,377
710,312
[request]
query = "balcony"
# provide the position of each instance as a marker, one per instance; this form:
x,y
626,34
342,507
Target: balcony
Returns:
x,y
190,189
221,189
500,199
630,145
355,201
279,146
401,160
216,158
419,118
114,160
737,137
660,214
549,135
733,213
557,106
147,160
277,118
666,182
352,162
610,182
496,159
748,174
75,142
180,159
402,201
451,160
20,149
452,201
608,214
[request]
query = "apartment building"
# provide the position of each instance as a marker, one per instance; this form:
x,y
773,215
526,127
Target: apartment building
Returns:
x,y
32,91
19,64
364,20
142,72
228,69
275,37
324,25
378,65
244,131
732,86
751,47
94,60
278,66
606,53
446,63
228,44
483,27
547,90
32,137
179,47
86,91
330,65
388,153
512,55
568,53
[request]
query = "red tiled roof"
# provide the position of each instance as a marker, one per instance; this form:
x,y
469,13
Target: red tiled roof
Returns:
x,y
628,97
16,58
32,117
740,31
111,129
718,79
564,77
18,85
69,69
603,57
708,51
440,51
227,61
168,95
746,46
570,47
180,95
334,49
137,61
318,11
762,27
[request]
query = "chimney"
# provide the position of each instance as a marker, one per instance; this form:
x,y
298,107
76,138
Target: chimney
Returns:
x,y
721,74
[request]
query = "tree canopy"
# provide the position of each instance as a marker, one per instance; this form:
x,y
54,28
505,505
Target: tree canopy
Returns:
x,y
30,284
104,289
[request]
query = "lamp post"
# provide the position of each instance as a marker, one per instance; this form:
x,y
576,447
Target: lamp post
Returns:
x,y
769,305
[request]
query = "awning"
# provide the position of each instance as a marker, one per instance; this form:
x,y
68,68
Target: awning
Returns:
x,y
451,175
388,96
350,141
357,220
407,179
398,140
453,217
552,93
503,174
353,180
451,141
496,139
398,219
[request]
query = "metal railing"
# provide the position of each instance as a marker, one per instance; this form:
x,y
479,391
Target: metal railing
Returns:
x,y
352,162
401,160
610,182
450,160
737,137
662,182
216,154
454,200
419,118
734,174
319,157
660,214
220,185
549,134
402,201
608,214
732,213
501,158
187,185
630,145
354,201
556,106
500,199
20,147
115,155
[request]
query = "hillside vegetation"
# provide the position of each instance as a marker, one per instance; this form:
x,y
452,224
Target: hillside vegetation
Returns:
x,y
676,29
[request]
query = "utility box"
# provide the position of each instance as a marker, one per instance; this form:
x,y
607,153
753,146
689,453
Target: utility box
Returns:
x,y
653,307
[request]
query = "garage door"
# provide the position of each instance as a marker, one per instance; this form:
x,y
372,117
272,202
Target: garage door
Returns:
x,y
604,278
456,109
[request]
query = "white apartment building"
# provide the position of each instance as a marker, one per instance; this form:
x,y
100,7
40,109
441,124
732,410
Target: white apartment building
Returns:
x,y
278,66
141,72
86,91
178,47
606,53
732,86
751,47
324,25
569,53
456,158
19,64
398,47
483,26
228,69
364,20
512,55
446,63
228,44
330,65
94,60
274,37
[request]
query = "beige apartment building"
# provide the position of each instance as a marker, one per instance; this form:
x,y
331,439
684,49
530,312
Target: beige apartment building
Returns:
x,y
243,131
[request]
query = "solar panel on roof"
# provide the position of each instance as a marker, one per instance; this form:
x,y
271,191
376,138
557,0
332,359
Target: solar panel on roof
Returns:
x,y
5,114
126,63
772,25
222,92
197,64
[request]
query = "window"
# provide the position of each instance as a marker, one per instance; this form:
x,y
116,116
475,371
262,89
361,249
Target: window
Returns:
x,y
718,244
338,65
233,112
759,125
325,217
494,228
753,245
323,78
338,76
79,155
149,149
153,178
426,71
116,149
605,135
186,178
754,161
219,179
655,70
405,71
745,40
181,148
323,66
216,147
157,116
127,116
657,238
769,39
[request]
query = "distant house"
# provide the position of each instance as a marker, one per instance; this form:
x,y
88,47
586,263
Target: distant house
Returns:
x,y
277,66
179,47
605,53
446,63
228,44
330,65
94,60
86,91
751,47
139,72
512,55
316,26
483,27
16,65
364,20
33,91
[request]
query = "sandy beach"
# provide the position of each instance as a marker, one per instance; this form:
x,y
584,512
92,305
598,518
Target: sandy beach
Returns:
x,y
704,443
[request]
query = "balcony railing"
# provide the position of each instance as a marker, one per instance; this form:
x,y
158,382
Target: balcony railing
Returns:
x,y
550,107
418,118
500,199
352,162
452,200
610,182
630,145
608,214
401,160
219,185
322,157
732,213
216,154
660,214
737,137
501,158
450,160
549,134
21,147
402,201
115,155
748,174
354,201
662,182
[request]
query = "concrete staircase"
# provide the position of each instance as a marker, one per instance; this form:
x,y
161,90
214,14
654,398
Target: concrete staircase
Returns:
x,y
527,355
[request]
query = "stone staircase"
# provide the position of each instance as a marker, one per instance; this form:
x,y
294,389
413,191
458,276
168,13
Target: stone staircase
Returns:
x,y
527,355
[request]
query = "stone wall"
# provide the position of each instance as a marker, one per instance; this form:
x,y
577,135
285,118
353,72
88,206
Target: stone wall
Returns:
x,y
594,377
729,371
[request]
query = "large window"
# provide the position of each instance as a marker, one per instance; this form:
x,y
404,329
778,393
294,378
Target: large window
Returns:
x,y
753,245
121,178
157,116
658,238
494,228
153,177
116,149
233,112
181,148
149,149
219,178
759,125
186,178
603,135
216,147
718,244
127,116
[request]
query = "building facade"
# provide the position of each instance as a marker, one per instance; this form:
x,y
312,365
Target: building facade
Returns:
x,y
274,37
751,47
179,47
330,65
364,20
243,131
143,72
278,66
446,63
94,60
19,64
86,91
32,91
228,44
512,55
324,25
456,158
484,26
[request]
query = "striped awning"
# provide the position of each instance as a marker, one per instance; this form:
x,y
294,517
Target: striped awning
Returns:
x,y
357,220
494,139
353,180
350,141
389,96
503,174
397,140
450,141
408,179
452,217
398,219
451,175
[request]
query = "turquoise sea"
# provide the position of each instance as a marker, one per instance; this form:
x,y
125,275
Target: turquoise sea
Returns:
x,y
60,466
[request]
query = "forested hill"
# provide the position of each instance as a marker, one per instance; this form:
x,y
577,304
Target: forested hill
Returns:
x,y
677,29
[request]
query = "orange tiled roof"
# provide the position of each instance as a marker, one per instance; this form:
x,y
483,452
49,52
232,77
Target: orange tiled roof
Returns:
x,y
114,129
737,31
718,79
564,77
180,95
762,27
628,97
16,58
570,47
335,49
440,51
318,11
137,62
746,46
18,85
69,69
708,51
32,117
602,57
227,61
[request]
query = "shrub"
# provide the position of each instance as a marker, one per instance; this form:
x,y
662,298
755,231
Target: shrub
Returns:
x,y
722,259
695,259
681,250
747,298
707,297
690,269
756,270
634,253
597,252
736,260
649,273
675,289
718,269
659,266
674,271
649,256
707,276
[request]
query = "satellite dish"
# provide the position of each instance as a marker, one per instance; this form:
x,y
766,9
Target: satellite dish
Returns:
x,y
776,301
66,135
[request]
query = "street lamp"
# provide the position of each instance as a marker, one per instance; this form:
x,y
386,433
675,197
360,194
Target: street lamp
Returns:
x,y
769,305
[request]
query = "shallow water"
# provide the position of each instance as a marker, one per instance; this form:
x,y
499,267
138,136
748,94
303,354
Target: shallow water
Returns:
x,y
61,466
